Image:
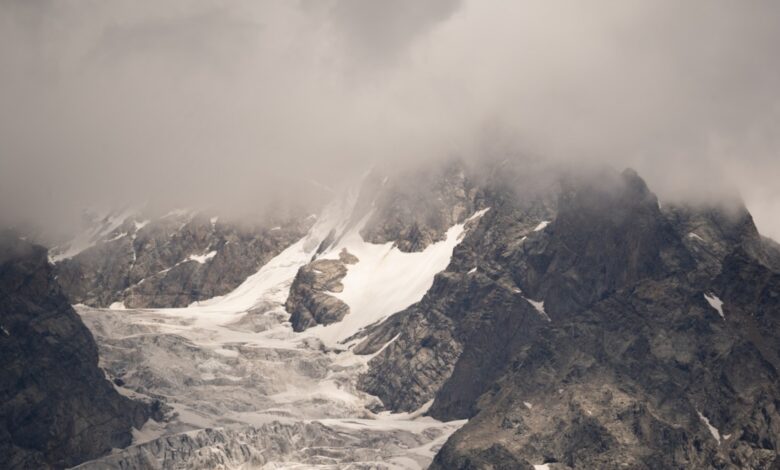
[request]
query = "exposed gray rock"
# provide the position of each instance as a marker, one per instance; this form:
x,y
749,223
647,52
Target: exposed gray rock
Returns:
x,y
415,208
633,357
413,367
309,302
710,233
174,260
56,407
474,288
629,383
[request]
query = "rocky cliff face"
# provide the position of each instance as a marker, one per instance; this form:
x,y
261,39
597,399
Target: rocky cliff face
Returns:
x,y
415,208
309,302
172,261
56,407
589,334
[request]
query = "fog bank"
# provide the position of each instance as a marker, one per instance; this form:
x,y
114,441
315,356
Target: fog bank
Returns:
x,y
239,104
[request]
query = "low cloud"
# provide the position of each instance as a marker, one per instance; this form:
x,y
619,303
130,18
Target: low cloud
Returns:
x,y
237,104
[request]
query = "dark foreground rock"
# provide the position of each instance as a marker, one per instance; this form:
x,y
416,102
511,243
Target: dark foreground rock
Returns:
x,y
56,407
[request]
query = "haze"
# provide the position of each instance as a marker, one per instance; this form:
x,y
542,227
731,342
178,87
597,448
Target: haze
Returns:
x,y
235,104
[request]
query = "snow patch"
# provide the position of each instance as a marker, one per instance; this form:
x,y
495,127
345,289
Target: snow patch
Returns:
x,y
539,306
140,225
543,466
695,237
542,225
713,430
385,280
472,271
117,306
528,405
715,303
203,258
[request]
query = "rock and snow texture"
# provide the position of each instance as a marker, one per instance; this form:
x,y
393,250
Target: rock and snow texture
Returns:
x,y
168,261
202,259
233,371
235,376
384,280
278,446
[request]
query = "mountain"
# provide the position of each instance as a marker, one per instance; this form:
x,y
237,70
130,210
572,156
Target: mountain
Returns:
x,y
610,337
457,316
182,257
56,407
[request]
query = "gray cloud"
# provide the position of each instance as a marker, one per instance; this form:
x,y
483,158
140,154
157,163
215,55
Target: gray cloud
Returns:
x,y
235,104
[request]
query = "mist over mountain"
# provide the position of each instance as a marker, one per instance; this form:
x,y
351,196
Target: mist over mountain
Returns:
x,y
354,234
236,105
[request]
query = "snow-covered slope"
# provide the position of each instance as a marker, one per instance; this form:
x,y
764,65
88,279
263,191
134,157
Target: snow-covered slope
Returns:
x,y
385,279
233,364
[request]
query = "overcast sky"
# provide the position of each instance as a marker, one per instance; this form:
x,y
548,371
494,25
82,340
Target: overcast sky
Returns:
x,y
203,101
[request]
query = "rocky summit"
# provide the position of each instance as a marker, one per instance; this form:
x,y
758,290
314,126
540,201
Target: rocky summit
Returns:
x,y
453,316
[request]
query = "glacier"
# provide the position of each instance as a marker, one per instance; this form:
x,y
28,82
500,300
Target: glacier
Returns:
x,y
242,390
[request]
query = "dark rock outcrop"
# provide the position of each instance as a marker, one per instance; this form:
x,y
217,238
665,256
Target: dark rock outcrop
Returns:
x,y
309,302
56,407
